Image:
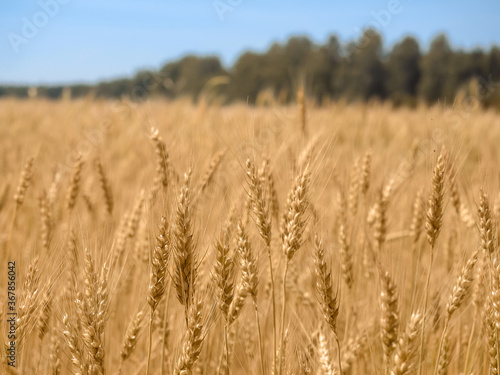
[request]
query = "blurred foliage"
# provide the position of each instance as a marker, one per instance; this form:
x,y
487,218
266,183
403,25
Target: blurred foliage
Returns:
x,y
360,70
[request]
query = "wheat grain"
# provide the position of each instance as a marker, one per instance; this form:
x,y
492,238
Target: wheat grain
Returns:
x,y
184,257
328,301
193,340
223,273
486,232
389,320
24,181
131,336
105,187
435,211
74,185
406,346
417,220
159,264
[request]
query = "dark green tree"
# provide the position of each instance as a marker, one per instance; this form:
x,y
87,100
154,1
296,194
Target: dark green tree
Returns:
x,y
364,75
403,71
188,76
247,78
435,70
321,70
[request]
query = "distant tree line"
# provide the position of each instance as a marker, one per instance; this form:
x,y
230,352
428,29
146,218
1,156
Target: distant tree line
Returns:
x,y
358,71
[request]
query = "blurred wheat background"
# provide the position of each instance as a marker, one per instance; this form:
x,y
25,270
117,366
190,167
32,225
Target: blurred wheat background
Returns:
x,y
171,237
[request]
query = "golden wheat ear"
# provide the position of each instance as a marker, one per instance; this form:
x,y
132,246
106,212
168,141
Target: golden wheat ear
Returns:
x,y
74,185
131,337
185,259
433,223
193,340
301,100
403,357
487,232
208,175
158,267
105,187
161,179
389,319
436,202
24,181
223,274
258,204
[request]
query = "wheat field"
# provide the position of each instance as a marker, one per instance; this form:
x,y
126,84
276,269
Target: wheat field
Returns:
x,y
178,238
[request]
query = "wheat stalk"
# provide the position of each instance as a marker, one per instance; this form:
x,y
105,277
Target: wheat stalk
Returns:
x,y
105,187
249,278
162,164
457,297
406,346
45,220
268,180
193,340
74,185
135,216
208,175
159,264
324,356
24,182
293,226
486,230
364,178
184,257
263,222
328,301
131,337
346,262
4,195
92,307
417,221
70,333
389,320
22,187
380,221
54,360
434,217
302,110
223,272
157,277
433,223
490,324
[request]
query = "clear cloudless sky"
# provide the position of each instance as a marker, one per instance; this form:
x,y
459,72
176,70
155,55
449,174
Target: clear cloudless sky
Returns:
x,y
92,40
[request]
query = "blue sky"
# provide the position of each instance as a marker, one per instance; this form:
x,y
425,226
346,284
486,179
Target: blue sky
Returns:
x,y
92,40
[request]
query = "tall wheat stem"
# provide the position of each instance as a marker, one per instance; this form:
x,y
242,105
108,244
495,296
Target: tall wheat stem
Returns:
x,y
441,341
260,336
40,358
273,301
150,340
12,227
226,347
165,320
471,337
426,295
339,356
415,273
283,309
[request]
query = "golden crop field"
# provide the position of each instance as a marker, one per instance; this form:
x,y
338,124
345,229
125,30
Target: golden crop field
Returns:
x,y
173,238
